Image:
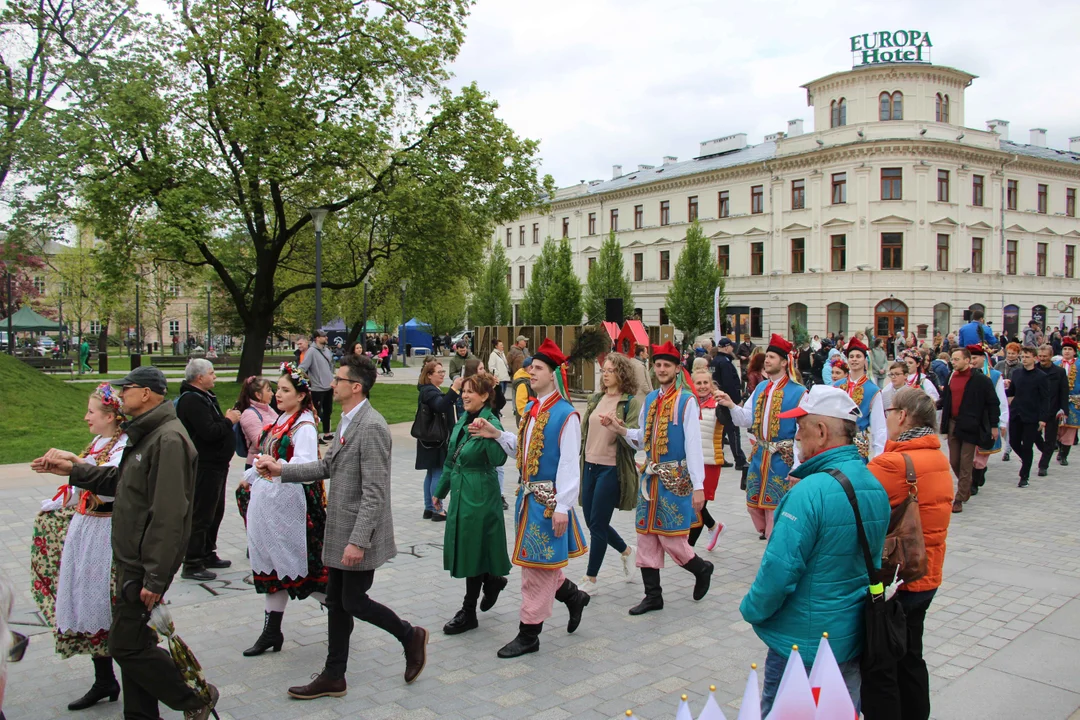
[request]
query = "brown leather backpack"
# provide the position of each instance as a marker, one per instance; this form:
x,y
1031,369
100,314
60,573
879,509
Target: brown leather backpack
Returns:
x,y
904,554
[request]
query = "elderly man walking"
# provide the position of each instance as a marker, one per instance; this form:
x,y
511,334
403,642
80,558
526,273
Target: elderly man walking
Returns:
x,y
212,433
151,518
813,577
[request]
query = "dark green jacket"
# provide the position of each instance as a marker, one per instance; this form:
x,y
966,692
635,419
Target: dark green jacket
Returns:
x,y
153,486
627,409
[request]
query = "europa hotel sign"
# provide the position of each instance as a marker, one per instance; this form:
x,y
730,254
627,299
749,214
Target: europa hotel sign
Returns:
x,y
894,46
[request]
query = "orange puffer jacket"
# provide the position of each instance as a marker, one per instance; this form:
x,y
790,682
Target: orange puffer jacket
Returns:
x,y
935,488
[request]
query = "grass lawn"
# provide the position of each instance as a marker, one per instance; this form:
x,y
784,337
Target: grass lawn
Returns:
x,y
38,411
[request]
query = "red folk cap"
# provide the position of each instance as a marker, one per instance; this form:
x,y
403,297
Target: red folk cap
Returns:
x,y
976,349
667,351
549,354
779,345
856,344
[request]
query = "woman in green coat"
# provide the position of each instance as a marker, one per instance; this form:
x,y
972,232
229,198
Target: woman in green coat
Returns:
x,y
475,543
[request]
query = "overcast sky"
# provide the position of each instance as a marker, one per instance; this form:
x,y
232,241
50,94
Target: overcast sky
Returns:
x,y
605,82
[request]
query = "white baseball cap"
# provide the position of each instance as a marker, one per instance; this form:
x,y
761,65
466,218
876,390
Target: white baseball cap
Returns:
x,y
828,401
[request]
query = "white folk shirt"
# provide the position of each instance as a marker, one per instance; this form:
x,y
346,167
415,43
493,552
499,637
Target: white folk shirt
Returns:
x,y
695,460
568,473
743,415
927,386
879,433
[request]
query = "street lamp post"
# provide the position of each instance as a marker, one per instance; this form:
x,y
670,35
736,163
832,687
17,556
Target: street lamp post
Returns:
x,y
138,318
318,214
401,339
10,326
363,328
209,337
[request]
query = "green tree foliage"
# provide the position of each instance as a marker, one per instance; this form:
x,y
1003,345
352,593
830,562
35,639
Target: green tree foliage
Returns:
x,y
490,303
690,297
532,304
562,301
444,311
607,279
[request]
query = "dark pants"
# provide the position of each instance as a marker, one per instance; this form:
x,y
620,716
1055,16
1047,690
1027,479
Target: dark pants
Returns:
x,y
1022,437
347,598
600,493
902,691
1049,444
207,510
148,672
324,406
707,521
962,459
733,438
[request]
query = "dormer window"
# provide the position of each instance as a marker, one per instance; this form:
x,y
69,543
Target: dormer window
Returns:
x,y
891,106
838,113
941,111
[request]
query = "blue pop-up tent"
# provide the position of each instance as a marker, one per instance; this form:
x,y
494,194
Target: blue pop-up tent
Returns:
x,y
417,334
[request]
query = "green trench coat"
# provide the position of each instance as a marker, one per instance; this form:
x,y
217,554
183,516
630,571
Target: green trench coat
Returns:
x,y
475,541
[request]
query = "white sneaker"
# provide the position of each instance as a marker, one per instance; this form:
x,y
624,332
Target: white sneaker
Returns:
x,y
715,535
627,563
587,584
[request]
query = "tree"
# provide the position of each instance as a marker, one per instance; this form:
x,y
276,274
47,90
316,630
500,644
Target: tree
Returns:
x,y
532,305
490,303
562,301
76,269
445,311
690,298
22,267
220,128
607,279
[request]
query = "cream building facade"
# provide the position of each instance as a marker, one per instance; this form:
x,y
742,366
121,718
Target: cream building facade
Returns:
x,y
892,215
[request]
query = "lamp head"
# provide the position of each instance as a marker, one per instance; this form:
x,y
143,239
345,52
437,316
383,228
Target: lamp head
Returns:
x,y
318,215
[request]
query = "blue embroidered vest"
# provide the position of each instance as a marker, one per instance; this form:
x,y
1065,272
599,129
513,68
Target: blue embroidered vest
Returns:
x,y
870,390
676,445
559,413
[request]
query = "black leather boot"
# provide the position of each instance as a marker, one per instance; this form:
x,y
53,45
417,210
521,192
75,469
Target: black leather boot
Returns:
x,y
976,481
742,480
271,636
703,570
465,619
575,601
493,585
1063,454
527,641
654,598
105,686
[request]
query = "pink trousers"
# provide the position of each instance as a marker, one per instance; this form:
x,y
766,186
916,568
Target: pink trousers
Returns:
x,y
651,549
763,520
538,589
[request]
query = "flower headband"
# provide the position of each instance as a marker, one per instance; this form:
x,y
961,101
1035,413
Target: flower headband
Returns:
x,y
105,394
838,361
297,374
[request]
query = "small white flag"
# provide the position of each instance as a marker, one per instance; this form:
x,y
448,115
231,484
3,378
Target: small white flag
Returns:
x,y
684,710
711,710
827,684
750,709
794,700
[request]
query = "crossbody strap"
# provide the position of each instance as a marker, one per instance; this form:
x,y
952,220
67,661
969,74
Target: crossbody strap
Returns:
x,y
875,588
913,490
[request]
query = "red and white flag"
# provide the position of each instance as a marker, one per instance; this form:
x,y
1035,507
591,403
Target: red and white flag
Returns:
x,y
827,684
794,700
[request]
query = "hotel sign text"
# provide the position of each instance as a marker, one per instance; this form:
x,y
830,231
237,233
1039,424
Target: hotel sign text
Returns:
x,y
896,46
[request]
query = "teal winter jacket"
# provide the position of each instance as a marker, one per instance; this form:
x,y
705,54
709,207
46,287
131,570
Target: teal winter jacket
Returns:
x,y
812,578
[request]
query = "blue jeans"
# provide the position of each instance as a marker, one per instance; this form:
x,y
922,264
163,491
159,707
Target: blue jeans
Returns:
x,y
431,481
774,670
599,497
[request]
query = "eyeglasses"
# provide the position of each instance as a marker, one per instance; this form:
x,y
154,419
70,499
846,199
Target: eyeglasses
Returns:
x,y
337,379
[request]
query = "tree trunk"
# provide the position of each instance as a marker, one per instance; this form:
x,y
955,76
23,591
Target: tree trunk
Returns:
x,y
255,334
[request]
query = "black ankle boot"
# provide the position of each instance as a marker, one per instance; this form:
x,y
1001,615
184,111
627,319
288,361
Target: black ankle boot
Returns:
x,y
654,599
742,480
702,570
575,601
464,621
527,641
271,636
493,585
105,686
1063,454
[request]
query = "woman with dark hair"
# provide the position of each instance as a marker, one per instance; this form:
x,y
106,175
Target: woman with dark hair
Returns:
x,y
916,377
475,541
430,457
755,372
255,413
285,521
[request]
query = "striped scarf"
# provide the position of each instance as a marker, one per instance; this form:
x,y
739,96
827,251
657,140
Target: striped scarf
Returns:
x,y
915,433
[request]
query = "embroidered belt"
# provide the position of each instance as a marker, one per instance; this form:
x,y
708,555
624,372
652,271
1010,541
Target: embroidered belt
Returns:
x,y
674,475
1074,400
862,442
544,491
784,448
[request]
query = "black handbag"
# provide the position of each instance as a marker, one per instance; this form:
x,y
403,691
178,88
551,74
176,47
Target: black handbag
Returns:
x,y
885,640
429,427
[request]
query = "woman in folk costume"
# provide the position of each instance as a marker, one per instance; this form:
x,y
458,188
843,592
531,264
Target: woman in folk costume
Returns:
x,y
865,393
547,534
837,369
73,588
916,378
672,486
475,540
285,521
1067,429
980,361
773,456
712,451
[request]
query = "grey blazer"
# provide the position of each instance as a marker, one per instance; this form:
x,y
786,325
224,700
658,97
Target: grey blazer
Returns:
x,y
358,506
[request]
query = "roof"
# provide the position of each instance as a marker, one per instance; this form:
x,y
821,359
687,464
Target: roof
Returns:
x,y
634,330
26,320
1043,153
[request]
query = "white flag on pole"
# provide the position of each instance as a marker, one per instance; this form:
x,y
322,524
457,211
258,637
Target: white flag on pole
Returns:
x,y
684,710
827,684
794,700
750,709
712,709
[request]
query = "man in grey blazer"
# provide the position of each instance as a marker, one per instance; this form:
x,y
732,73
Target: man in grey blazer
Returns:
x,y
359,527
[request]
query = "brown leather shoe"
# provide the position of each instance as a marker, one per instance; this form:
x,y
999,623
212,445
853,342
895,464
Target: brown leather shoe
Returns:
x,y
957,507
415,653
321,685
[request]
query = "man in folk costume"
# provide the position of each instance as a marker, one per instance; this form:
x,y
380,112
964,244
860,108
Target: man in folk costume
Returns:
x,y
865,393
671,490
548,534
773,456
1067,430
980,362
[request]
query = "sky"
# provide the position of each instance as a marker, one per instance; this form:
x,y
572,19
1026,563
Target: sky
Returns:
x,y
626,82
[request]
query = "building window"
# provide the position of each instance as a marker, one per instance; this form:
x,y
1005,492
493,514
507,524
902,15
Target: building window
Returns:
x,y
639,217
798,255
174,327
592,223
1043,191
839,188
1011,194
977,190
509,237
839,253
798,194
663,316
836,318
509,279
566,227
615,220
95,327
1010,256
665,264
1070,202
891,106
691,209
942,252
892,251
592,261
39,284
1070,261
941,109
755,321
521,235
1040,259
639,266
942,318
796,317
521,277
725,204
976,255
838,113
723,259
536,232
892,183
665,212
943,185
757,258
757,199
174,290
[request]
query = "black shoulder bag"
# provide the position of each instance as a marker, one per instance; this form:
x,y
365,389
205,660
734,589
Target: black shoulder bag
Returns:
x,y
886,625
429,426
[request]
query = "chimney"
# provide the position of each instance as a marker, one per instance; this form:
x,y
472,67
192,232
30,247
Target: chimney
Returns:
x,y
670,159
1074,144
722,145
1038,137
645,167
794,127
1001,127
772,137
616,171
